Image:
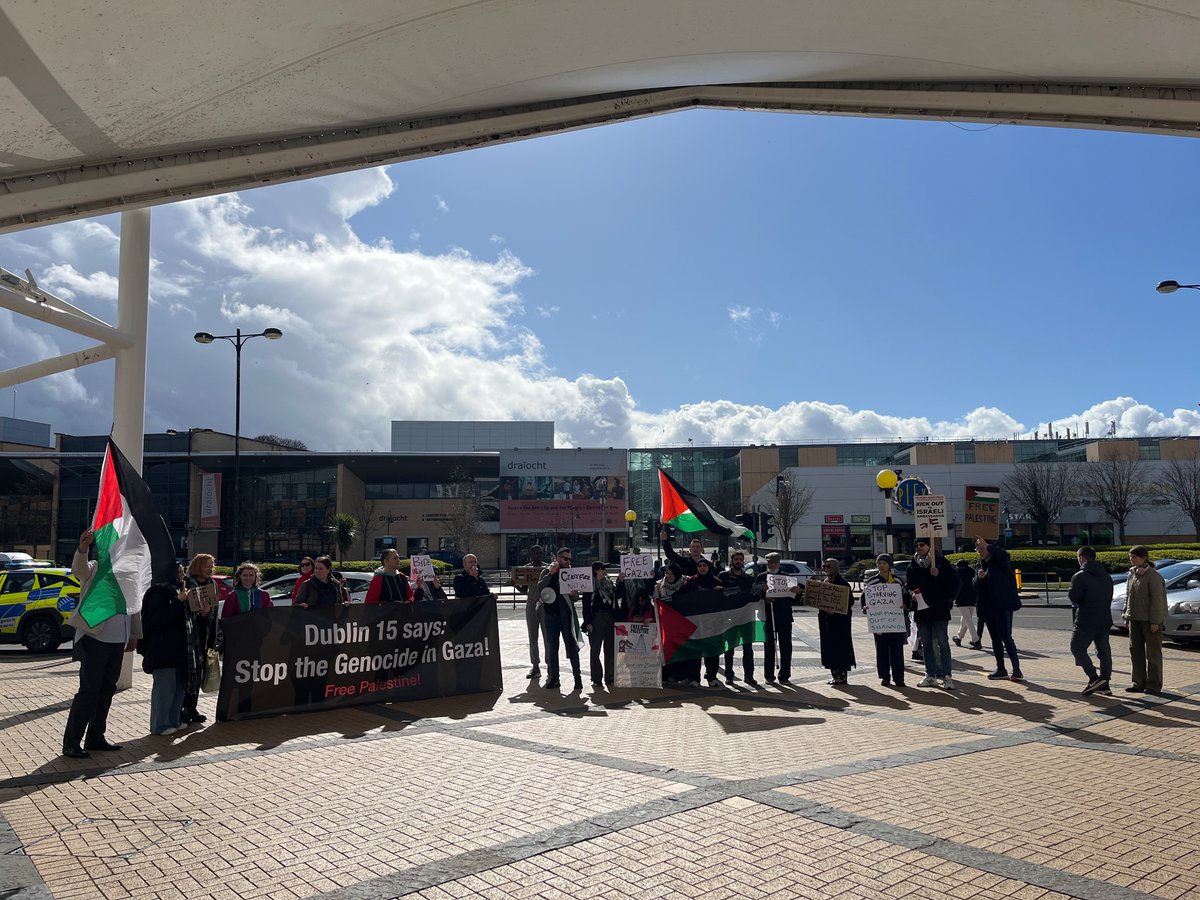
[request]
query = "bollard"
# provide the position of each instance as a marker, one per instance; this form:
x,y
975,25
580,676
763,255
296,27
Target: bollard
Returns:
x,y
1017,572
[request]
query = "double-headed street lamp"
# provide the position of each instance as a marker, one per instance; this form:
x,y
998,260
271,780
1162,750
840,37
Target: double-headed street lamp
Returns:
x,y
237,339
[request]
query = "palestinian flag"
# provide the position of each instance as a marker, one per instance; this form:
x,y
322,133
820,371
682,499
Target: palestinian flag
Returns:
x,y
708,622
133,546
687,512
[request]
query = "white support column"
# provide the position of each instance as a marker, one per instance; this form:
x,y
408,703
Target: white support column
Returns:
x,y
133,304
129,384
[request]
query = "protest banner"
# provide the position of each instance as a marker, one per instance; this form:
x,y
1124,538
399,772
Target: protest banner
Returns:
x,y
929,515
885,608
780,586
637,565
421,567
639,656
982,513
525,576
828,597
709,622
577,578
287,660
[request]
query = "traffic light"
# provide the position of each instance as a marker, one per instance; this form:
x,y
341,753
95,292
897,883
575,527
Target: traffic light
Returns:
x,y
768,522
749,520
649,532
671,533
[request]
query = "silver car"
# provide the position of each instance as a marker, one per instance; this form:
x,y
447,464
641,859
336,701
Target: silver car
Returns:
x,y
1183,602
280,589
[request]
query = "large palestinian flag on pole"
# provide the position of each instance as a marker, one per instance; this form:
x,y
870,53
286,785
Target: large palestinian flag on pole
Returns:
x,y
708,622
133,546
687,512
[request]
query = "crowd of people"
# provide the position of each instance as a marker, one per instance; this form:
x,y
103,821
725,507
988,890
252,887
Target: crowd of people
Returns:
x,y
176,632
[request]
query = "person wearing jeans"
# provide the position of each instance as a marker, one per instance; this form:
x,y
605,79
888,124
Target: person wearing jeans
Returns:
x,y
164,649
559,620
933,585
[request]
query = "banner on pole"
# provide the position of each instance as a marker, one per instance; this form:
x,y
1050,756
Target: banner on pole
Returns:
x,y
929,514
981,517
288,660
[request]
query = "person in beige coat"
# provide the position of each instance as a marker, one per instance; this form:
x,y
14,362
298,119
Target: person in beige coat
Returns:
x,y
1145,616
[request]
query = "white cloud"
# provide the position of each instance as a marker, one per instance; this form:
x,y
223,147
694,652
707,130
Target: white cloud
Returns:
x,y
442,206
374,333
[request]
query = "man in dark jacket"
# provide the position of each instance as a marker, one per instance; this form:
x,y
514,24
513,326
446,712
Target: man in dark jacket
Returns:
x,y
779,623
996,590
1091,611
933,584
736,577
469,583
686,563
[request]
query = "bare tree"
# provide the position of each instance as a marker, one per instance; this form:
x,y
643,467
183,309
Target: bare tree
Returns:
x,y
286,442
1119,487
365,513
1040,490
463,520
791,503
1181,485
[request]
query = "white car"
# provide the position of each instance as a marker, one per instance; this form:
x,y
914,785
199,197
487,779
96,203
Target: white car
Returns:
x,y
1183,602
280,589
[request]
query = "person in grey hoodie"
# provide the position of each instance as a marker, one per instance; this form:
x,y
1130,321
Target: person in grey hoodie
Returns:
x,y
1091,601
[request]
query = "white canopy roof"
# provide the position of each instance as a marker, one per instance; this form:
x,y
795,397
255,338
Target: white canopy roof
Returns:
x,y
108,106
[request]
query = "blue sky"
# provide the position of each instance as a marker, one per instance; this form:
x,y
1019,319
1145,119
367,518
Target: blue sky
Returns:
x,y
715,275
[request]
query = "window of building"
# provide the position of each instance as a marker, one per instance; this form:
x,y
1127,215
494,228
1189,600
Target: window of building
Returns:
x,y
867,454
964,454
1148,448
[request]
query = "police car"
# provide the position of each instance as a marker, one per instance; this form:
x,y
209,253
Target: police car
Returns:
x,y
35,605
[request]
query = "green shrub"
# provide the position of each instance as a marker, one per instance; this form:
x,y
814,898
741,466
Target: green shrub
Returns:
x,y
1064,563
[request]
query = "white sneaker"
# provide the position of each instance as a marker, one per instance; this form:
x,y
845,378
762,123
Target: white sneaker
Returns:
x,y
927,681
948,683
170,729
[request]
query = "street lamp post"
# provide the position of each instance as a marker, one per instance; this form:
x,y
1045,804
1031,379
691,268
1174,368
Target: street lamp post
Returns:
x,y
238,340
886,480
630,518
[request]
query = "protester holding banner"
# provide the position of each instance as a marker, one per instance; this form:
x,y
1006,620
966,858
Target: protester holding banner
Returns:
x,y
889,646
736,577
837,646
688,671
306,570
779,624
389,584
204,594
323,589
933,584
560,622
704,579
246,594
600,612
164,649
996,584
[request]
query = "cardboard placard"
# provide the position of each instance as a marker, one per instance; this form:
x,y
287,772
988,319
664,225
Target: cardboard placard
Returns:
x,y
638,656
421,567
637,565
885,608
982,513
929,515
525,576
780,585
827,597
576,578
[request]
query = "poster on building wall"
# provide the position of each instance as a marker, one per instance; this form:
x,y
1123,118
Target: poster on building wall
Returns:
x,y
563,490
981,516
210,501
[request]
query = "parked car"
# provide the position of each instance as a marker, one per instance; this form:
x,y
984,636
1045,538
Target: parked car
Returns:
x,y
35,605
1183,601
899,569
801,571
1120,577
280,589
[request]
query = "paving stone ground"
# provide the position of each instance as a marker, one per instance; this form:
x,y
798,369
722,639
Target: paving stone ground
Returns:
x,y
997,790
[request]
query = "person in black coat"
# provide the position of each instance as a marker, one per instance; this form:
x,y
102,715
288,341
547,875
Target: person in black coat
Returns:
x,y
996,590
735,577
837,646
889,645
933,585
164,649
964,599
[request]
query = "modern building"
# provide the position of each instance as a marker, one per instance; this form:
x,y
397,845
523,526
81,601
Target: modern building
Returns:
x,y
498,503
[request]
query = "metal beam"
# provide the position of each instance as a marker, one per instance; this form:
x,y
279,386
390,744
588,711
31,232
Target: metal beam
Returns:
x,y
63,363
72,192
